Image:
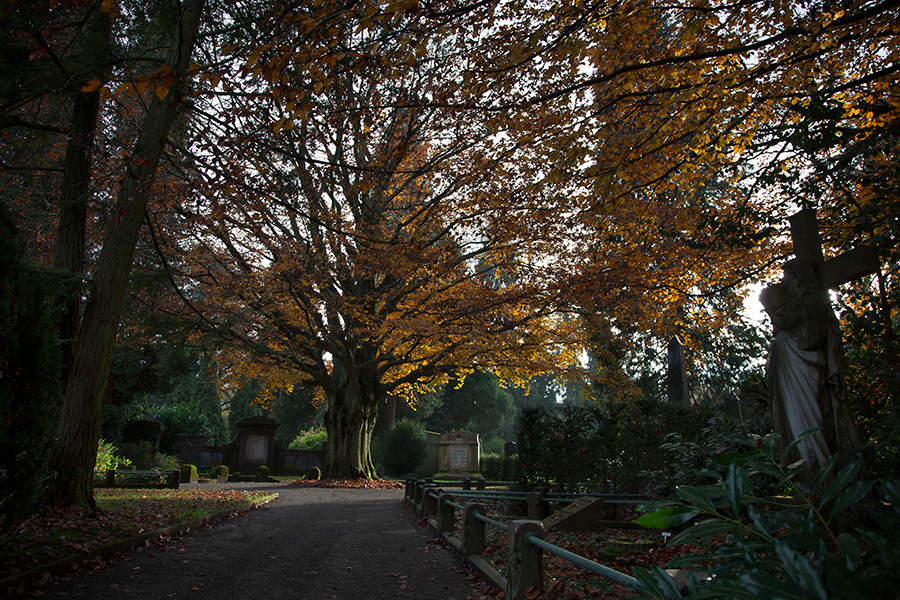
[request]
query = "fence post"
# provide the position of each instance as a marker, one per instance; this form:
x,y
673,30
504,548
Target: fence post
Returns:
x,y
445,514
174,481
467,483
417,499
526,565
538,506
473,531
480,484
429,501
110,478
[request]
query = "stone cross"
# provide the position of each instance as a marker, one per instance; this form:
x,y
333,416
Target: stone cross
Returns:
x,y
806,363
841,269
676,373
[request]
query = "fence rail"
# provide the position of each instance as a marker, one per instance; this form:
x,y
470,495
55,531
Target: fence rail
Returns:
x,y
440,509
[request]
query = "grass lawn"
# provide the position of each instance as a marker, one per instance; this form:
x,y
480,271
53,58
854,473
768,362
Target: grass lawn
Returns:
x,y
124,514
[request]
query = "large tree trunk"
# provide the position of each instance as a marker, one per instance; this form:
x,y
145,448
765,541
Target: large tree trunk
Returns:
x,y
86,385
350,423
75,189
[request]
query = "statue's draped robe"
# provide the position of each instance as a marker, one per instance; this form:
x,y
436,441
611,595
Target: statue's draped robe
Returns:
x,y
805,380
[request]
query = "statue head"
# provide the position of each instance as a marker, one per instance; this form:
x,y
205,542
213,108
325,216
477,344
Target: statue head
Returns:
x,y
800,275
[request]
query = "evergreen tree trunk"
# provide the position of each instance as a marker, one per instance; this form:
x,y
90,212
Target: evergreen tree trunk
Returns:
x,y
75,189
79,431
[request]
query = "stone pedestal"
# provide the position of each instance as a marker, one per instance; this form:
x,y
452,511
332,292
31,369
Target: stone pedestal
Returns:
x,y
459,455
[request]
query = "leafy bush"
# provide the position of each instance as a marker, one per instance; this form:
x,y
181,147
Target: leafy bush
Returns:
x,y
167,462
404,448
496,467
262,472
108,457
31,365
491,466
838,539
140,455
492,445
221,472
691,458
176,419
141,430
600,447
311,439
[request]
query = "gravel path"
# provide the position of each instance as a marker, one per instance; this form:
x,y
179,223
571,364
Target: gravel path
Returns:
x,y
315,543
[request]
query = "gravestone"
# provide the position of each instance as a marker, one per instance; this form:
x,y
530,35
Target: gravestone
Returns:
x,y
584,514
676,373
459,455
806,363
256,442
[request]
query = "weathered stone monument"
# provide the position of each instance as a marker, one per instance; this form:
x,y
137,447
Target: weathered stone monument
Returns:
x,y
805,369
256,441
676,373
459,455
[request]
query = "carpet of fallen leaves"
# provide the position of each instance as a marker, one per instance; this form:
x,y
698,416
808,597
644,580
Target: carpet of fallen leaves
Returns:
x,y
368,484
565,581
59,533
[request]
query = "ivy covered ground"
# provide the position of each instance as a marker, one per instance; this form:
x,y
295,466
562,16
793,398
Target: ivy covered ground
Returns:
x,y
57,534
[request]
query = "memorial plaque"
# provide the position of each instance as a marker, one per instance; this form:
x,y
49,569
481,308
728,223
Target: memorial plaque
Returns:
x,y
256,448
459,458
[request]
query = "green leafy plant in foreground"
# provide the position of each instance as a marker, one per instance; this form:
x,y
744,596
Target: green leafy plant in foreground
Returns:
x,y
838,538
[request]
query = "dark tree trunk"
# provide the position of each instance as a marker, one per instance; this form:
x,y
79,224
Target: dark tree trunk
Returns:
x,y
350,423
89,373
75,189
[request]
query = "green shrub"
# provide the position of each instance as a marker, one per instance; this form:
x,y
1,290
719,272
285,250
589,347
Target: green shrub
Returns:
x,y
31,364
404,448
142,430
691,458
837,540
167,462
492,466
221,471
108,457
176,419
496,467
262,471
492,445
312,439
141,454
509,472
600,447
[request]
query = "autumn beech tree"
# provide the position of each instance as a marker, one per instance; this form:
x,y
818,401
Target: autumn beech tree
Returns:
x,y
364,250
409,167
688,126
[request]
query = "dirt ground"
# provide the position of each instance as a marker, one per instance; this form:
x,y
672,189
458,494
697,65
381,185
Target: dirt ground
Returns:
x,y
314,543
